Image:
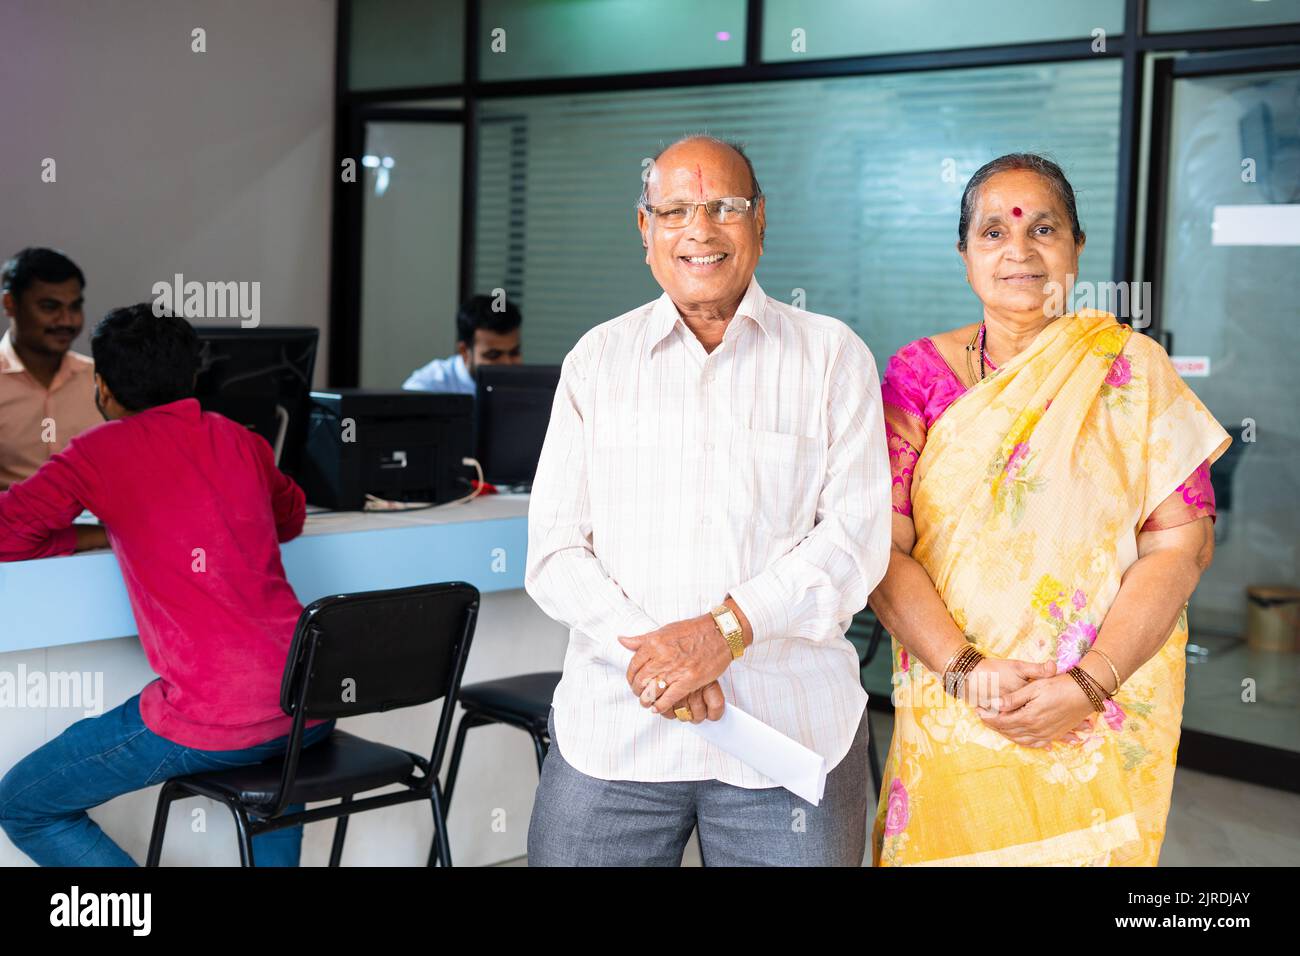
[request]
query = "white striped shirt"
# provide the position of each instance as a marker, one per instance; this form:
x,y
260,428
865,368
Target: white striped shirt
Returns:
x,y
671,477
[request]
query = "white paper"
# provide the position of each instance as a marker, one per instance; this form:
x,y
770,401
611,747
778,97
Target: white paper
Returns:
x,y
1271,224
770,752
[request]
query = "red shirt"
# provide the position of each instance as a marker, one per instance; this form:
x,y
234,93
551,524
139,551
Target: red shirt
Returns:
x,y
194,508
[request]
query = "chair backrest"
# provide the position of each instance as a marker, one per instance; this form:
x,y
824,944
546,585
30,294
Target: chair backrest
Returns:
x,y
373,651
376,650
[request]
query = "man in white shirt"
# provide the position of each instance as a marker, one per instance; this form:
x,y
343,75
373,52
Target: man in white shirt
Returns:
x,y
487,332
711,508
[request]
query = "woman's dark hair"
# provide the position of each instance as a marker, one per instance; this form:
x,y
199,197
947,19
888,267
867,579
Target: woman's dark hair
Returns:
x,y
477,313
1027,161
146,359
33,263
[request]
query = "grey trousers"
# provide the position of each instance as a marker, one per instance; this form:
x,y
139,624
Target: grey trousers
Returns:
x,y
585,821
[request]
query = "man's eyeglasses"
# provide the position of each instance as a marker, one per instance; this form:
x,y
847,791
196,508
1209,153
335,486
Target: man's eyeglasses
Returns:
x,y
675,215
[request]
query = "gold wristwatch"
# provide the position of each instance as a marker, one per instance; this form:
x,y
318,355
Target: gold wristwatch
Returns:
x,y
732,632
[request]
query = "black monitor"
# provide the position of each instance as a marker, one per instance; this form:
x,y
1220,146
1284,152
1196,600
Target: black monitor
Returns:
x,y
260,378
512,410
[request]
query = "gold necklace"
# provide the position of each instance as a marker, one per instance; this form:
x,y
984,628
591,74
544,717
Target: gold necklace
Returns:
x,y
970,347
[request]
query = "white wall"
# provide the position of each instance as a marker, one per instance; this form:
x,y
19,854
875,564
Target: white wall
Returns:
x,y
216,165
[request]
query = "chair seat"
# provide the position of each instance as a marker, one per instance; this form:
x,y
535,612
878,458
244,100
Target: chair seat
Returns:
x,y
525,696
337,766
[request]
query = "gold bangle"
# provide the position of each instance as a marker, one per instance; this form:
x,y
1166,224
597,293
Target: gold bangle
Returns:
x,y
972,661
952,674
1111,664
947,667
1077,674
1087,691
962,663
1096,684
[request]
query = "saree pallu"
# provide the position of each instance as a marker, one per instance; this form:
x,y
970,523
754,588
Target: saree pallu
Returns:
x,y
1026,499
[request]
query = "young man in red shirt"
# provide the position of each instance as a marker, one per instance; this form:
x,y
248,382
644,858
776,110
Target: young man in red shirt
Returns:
x,y
195,510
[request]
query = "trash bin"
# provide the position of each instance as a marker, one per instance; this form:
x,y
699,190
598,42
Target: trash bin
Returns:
x,y
1273,618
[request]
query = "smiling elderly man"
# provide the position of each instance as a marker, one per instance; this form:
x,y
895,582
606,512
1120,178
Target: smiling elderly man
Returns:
x,y
710,510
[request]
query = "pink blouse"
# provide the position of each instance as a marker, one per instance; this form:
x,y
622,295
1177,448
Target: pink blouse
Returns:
x,y
918,388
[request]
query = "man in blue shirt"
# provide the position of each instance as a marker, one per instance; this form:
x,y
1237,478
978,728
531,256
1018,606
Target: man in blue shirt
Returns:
x,y
485,336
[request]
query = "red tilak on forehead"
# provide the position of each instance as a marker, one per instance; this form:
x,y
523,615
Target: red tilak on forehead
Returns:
x,y
1016,211
699,181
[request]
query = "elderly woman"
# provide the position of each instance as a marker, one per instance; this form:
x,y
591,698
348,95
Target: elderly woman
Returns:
x,y
1052,515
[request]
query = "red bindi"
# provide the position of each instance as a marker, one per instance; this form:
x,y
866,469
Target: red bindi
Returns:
x,y
1016,211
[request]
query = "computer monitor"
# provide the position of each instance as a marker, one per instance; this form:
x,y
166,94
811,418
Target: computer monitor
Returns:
x,y
512,410
260,378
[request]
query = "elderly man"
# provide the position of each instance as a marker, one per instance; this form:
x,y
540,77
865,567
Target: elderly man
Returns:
x,y
710,509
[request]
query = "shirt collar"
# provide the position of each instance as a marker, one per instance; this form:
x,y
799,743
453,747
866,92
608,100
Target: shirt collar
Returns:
x,y
9,360
73,362
664,315
460,370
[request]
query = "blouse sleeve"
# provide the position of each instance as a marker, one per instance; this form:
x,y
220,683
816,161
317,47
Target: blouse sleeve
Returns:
x,y
905,428
1193,499
1183,439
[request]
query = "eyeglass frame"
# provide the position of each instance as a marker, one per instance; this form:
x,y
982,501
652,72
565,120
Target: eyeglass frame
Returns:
x,y
644,203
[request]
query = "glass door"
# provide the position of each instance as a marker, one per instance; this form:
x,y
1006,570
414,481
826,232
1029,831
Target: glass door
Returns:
x,y
1224,258
410,175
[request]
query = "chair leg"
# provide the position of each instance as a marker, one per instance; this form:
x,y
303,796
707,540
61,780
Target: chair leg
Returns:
x,y
245,838
170,792
440,852
466,723
540,746
340,832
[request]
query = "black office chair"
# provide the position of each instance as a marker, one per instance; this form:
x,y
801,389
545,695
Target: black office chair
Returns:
x,y
397,648
523,701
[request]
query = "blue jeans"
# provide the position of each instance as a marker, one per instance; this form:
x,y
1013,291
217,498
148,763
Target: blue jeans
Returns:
x,y
44,798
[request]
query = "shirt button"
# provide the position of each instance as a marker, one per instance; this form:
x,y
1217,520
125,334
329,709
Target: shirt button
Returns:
x,y
708,446
706,520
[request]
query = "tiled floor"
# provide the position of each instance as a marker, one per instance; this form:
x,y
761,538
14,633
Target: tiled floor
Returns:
x,y
1213,821
1223,671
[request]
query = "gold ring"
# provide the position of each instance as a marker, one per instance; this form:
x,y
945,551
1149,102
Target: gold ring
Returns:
x,y
683,712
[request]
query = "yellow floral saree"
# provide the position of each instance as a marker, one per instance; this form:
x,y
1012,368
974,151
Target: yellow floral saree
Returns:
x,y
1027,497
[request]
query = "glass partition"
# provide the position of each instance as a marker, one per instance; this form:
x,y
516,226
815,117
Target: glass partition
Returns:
x,y
546,38
863,177
817,29
397,43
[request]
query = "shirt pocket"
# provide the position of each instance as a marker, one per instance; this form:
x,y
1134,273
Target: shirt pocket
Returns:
x,y
774,481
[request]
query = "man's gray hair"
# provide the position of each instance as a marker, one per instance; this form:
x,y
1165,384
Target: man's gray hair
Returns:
x,y
755,192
